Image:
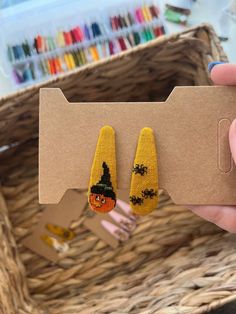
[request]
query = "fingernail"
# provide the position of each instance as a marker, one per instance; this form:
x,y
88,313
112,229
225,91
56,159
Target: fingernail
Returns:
x,y
117,232
125,207
211,65
125,223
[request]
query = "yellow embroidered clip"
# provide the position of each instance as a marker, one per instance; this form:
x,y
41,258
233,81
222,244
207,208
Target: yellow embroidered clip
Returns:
x,y
144,179
58,245
102,185
63,233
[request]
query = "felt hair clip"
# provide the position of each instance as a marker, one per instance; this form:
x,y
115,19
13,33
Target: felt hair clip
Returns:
x,y
58,245
64,234
102,185
144,179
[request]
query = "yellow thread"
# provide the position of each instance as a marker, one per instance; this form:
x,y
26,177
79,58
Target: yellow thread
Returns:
x,y
94,53
72,62
67,61
60,39
144,14
144,179
102,185
148,13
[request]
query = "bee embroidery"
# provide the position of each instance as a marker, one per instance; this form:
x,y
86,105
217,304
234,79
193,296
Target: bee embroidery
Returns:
x,y
149,193
135,200
140,169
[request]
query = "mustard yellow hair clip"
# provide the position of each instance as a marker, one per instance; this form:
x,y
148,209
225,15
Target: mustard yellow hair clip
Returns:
x,y
144,179
64,233
102,185
58,245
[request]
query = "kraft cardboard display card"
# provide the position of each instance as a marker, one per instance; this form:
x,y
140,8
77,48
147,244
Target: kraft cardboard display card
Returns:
x,y
180,145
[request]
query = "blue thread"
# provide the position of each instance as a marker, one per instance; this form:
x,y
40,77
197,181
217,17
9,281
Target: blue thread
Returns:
x,y
86,32
211,65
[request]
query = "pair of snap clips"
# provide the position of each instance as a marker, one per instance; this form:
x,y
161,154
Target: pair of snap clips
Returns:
x,y
120,224
102,192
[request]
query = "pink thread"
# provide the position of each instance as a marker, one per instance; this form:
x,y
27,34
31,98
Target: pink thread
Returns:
x,y
137,16
141,17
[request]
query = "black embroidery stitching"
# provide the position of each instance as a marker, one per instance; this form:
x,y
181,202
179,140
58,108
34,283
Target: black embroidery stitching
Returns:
x,y
104,186
135,200
149,193
140,169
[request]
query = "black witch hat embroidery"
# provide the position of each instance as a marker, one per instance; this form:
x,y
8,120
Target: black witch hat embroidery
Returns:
x,y
102,197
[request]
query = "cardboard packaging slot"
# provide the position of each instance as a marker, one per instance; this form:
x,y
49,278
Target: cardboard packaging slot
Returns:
x,y
191,130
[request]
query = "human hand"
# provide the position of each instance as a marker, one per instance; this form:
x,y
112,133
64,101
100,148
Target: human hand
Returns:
x,y
222,216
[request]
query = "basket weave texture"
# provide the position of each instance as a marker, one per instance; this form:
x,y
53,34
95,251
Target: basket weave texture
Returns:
x,y
174,263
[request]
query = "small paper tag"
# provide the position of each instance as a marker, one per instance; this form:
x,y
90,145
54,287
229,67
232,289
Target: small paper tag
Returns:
x,y
51,237
69,209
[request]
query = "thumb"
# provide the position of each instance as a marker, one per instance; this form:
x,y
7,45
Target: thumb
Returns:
x,y
232,139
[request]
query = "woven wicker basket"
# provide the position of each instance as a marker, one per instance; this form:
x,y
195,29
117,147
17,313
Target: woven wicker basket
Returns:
x,y
174,263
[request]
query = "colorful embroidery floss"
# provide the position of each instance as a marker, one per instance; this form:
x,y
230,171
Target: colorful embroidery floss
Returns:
x,y
144,178
89,40
102,185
